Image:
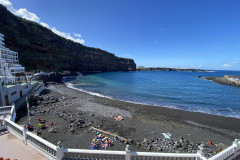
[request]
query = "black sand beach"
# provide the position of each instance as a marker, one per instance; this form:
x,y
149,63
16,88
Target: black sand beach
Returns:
x,y
143,124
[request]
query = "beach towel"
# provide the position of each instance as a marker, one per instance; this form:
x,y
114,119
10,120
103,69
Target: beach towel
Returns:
x,y
165,135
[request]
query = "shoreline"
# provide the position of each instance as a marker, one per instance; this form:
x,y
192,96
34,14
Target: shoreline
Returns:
x,y
141,122
69,85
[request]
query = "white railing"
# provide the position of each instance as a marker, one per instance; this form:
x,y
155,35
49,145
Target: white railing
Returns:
x,y
14,128
229,153
13,113
9,110
42,146
92,154
5,109
127,155
175,156
53,152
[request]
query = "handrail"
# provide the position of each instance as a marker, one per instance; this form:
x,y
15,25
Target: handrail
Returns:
x,y
13,113
38,86
152,154
42,140
5,109
93,151
12,109
224,152
14,124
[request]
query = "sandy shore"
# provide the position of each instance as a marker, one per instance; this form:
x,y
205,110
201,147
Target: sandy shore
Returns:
x,y
143,124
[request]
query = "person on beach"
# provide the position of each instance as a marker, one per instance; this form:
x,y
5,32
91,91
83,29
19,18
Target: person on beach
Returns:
x,y
95,147
105,146
51,124
40,120
29,127
41,126
211,142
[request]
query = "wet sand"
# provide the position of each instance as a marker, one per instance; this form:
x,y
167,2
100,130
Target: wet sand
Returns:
x,y
65,106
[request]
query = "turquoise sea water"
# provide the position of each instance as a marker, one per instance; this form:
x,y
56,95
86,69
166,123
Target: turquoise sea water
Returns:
x,y
182,90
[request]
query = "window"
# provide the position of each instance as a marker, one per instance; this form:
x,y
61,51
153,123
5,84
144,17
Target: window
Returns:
x,y
13,93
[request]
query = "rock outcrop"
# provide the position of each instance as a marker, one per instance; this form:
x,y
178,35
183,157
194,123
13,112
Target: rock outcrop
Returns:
x,y
227,80
40,48
168,69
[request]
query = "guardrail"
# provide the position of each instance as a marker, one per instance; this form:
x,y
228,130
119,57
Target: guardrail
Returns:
x,y
39,88
153,156
229,153
13,113
14,128
40,145
92,154
127,155
5,109
54,152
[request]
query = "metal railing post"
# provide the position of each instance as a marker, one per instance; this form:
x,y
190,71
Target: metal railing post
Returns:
x,y
59,152
25,135
128,153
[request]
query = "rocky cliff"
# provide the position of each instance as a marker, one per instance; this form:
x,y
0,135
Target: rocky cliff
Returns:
x,y
40,48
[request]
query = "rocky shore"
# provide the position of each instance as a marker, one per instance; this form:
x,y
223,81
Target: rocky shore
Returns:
x,y
227,80
169,69
73,112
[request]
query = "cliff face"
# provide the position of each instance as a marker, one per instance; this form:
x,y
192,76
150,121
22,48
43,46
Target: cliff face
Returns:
x,y
40,48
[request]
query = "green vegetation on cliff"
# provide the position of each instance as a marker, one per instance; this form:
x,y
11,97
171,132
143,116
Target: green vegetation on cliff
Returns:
x,y
40,48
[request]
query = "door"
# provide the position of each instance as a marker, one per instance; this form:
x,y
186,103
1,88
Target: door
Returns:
x,y
6,100
20,93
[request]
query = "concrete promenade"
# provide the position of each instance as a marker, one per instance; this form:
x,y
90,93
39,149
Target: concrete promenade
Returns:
x,y
13,148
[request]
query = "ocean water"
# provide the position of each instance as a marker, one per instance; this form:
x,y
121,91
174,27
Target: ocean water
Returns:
x,y
181,90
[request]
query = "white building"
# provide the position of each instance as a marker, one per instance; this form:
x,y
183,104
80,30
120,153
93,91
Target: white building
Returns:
x,y
9,64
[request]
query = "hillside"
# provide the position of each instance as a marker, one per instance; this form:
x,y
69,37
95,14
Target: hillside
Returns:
x,y
40,48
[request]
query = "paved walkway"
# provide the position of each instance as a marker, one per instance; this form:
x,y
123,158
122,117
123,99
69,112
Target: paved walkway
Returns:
x,y
13,148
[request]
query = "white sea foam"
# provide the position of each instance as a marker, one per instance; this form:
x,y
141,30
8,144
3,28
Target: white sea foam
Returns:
x,y
69,85
232,113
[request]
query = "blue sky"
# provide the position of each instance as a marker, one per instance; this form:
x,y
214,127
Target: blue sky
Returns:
x,y
166,33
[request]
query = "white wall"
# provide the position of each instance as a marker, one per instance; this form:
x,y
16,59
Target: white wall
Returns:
x,y
25,88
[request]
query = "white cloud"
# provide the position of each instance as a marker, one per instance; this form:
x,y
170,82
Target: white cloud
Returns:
x,y
45,25
227,65
200,65
77,35
231,64
24,13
